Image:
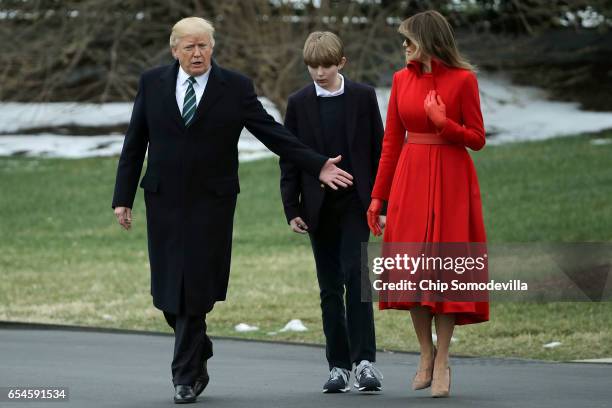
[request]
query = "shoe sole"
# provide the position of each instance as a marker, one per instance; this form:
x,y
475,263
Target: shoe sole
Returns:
x,y
204,384
185,401
368,389
421,387
340,391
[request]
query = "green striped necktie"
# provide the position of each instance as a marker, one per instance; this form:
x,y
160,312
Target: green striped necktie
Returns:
x,y
189,104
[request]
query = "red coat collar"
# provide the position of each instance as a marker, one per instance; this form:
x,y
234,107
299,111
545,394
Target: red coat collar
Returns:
x,y
437,66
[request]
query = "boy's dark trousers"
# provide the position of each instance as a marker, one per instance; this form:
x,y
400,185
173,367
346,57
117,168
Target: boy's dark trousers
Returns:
x,y
336,244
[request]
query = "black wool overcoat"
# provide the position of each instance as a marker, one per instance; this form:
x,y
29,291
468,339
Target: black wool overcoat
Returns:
x,y
191,181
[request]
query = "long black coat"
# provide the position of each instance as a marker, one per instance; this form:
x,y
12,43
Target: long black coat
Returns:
x,y
191,183
302,193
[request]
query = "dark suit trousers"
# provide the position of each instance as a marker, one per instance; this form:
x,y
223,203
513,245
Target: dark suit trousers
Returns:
x,y
336,244
192,346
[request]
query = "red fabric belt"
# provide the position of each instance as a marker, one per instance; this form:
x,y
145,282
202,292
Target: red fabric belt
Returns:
x,y
426,138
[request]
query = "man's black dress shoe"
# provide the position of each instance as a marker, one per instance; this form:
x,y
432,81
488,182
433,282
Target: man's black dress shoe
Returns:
x,y
202,381
183,394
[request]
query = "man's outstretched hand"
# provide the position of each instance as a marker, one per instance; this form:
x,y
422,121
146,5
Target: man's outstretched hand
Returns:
x,y
124,216
334,176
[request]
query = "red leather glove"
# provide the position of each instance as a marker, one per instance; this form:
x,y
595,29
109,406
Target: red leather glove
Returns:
x,y
435,109
373,212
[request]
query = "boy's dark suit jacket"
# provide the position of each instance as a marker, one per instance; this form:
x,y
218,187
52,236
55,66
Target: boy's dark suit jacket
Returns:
x,y
302,193
191,182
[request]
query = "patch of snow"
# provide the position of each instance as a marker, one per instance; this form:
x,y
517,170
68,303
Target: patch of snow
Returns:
x,y
294,325
552,344
15,116
75,147
600,142
49,145
243,328
521,113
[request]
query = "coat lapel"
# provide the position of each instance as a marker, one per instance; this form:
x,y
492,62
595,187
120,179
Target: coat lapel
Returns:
x,y
168,88
312,111
350,111
212,93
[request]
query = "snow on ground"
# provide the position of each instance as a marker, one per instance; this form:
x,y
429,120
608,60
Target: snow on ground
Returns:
x,y
295,325
49,145
73,147
16,116
519,113
245,327
511,114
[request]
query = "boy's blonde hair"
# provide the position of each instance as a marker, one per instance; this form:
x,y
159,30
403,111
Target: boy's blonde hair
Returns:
x,y
323,48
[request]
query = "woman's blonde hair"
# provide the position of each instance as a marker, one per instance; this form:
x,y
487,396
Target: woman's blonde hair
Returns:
x,y
432,35
191,26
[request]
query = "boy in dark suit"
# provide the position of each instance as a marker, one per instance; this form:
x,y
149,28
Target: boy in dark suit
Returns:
x,y
336,117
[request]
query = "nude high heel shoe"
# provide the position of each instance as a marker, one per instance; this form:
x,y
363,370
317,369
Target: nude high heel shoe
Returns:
x,y
440,384
422,378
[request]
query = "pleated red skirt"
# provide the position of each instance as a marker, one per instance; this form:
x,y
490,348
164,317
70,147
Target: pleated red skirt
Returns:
x,y
435,197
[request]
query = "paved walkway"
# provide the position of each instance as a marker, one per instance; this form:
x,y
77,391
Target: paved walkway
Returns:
x,y
132,370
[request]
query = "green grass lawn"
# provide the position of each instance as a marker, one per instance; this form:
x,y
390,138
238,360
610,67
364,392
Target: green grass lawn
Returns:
x,y
65,260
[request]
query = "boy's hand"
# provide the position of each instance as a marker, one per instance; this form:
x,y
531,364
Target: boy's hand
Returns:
x,y
298,225
373,216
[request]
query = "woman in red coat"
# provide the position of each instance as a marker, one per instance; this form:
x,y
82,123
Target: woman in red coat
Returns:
x,y
427,176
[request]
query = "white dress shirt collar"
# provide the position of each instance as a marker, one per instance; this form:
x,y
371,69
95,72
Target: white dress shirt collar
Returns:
x,y
182,84
200,79
325,93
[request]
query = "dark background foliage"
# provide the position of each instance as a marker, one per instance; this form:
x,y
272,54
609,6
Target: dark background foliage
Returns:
x,y
94,50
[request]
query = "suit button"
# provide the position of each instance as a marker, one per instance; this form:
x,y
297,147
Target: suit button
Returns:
x,y
322,185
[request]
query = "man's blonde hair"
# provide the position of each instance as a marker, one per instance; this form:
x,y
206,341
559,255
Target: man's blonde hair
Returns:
x,y
323,48
191,26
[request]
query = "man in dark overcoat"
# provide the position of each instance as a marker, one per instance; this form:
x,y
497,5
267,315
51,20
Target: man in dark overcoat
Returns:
x,y
189,115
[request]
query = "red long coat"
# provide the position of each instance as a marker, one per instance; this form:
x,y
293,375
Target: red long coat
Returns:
x,y
432,190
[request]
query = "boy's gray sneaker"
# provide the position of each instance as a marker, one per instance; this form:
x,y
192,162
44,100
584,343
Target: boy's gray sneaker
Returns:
x,y
367,377
338,381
